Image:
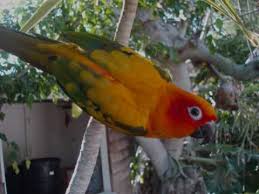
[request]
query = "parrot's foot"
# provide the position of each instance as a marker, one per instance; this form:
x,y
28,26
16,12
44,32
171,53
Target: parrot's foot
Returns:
x,y
175,170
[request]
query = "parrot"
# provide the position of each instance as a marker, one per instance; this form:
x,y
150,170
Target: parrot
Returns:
x,y
113,83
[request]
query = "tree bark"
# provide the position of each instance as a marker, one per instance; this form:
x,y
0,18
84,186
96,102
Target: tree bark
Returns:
x,y
87,158
157,153
119,157
128,14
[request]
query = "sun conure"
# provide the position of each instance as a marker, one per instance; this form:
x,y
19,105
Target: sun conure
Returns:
x,y
113,83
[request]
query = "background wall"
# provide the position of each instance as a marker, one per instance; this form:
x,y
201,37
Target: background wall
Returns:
x,y
40,131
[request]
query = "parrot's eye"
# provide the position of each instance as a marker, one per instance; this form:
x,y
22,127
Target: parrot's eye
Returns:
x,y
195,112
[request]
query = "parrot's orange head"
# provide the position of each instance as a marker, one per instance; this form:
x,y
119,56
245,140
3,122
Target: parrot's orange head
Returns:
x,y
182,114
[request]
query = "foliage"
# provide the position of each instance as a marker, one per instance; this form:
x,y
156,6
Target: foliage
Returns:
x,y
236,143
13,153
228,9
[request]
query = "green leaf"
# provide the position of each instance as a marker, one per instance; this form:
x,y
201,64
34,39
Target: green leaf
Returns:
x,y
76,111
3,137
27,164
174,56
211,43
15,167
219,23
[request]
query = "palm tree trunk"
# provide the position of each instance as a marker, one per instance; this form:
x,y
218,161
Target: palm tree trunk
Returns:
x,y
128,14
87,158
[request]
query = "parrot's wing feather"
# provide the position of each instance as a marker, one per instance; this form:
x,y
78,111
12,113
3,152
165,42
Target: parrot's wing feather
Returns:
x,y
126,65
94,89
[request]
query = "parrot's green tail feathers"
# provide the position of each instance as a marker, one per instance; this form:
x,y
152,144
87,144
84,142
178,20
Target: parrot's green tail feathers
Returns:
x,y
24,46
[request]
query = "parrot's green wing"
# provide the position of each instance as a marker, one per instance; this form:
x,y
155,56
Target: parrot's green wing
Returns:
x,y
101,97
94,45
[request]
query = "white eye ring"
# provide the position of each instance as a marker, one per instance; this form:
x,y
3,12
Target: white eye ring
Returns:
x,y
195,112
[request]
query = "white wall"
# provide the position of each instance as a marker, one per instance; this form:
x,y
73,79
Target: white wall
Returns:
x,y
40,131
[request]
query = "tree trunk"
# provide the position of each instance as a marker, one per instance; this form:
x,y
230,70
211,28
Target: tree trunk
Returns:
x,y
119,157
87,158
128,14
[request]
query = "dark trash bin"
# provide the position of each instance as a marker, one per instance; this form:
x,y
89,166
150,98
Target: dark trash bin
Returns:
x,y
43,176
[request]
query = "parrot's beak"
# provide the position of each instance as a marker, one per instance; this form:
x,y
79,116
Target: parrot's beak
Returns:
x,y
205,132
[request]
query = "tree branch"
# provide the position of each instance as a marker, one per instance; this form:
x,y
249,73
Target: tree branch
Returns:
x,y
199,52
196,50
200,160
87,158
156,153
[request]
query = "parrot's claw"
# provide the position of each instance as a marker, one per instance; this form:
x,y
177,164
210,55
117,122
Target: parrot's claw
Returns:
x,y
176,163
180,169
175,170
